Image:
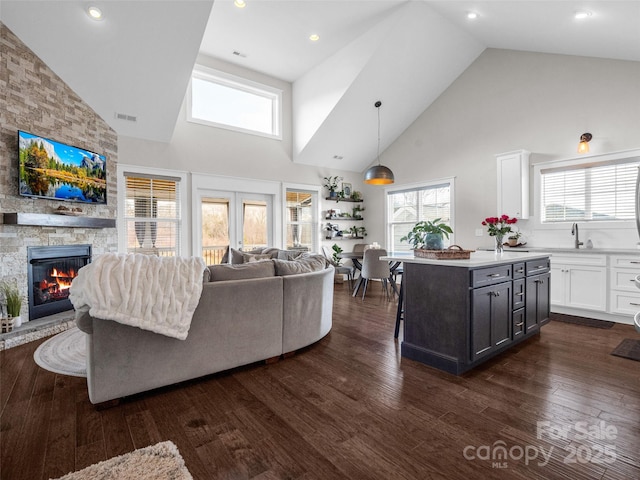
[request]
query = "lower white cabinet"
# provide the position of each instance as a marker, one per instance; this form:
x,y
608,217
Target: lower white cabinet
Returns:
x,y
579,281
624,295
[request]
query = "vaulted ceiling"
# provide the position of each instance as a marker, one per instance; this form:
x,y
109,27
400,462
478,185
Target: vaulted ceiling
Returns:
x,y
137,60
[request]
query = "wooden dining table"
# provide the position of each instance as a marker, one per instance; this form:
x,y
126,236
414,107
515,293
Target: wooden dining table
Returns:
x,y
356,259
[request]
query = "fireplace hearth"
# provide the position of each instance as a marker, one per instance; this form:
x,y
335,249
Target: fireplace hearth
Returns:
x,y
51,270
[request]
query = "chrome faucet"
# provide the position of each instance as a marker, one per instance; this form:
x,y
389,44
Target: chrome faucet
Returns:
x,y
574,231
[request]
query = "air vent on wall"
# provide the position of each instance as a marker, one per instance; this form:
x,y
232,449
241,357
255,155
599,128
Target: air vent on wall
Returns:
x,y
128,118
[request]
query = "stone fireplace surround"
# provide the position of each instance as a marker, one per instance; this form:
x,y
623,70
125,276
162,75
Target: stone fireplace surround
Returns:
x,y
36,100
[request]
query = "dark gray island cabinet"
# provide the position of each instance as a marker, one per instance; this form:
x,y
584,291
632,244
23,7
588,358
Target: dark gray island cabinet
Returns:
x,y
460,313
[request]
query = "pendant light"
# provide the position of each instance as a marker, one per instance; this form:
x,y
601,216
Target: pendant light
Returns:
x,y
378,174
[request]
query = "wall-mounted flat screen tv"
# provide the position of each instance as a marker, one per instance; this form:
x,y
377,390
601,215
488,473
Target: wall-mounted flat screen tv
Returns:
x,y
54,170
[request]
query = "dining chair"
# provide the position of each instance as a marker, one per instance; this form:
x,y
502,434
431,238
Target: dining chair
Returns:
x,y
359,247
340,269
374,268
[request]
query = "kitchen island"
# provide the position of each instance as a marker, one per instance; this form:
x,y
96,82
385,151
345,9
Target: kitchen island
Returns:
x,y
460,313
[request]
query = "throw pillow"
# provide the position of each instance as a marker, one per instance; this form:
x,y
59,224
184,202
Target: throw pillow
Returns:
x,y
254,257
225,257
301,265
241,271
288,254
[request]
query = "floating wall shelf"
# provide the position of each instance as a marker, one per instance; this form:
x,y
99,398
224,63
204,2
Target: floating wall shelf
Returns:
x,y
51,220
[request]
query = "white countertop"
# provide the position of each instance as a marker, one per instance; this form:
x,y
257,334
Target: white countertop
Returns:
x,y
477,259
581,250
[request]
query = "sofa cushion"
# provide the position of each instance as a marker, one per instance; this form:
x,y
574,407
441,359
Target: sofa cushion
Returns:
x,y
308,264
242,271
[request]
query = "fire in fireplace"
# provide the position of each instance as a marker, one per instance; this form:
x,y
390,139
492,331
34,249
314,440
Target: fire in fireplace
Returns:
x,y
51,271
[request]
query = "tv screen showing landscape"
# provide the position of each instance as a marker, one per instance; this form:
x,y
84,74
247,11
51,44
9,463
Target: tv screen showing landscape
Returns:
x,y
54,170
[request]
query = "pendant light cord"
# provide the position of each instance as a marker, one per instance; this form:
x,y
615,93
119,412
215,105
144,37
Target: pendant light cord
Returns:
x,y
378,104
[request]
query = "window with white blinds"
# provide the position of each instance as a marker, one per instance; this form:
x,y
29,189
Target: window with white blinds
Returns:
x,y
595,192
407,207
152,214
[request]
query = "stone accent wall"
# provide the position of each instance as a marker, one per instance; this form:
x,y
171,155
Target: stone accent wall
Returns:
x,y
34,99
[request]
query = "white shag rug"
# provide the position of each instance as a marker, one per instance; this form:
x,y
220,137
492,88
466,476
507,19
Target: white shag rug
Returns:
x,y
64,353
159,461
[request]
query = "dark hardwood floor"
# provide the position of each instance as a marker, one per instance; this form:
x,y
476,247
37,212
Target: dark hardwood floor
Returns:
x,y
350,407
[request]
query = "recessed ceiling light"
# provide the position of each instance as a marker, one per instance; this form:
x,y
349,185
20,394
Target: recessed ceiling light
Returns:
x,y
240,3
314,37
95,13
582,15
472,15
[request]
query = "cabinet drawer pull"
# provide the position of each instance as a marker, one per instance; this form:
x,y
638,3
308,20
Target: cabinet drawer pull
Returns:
x,y
540,281
519,324
520,271
633,261
494,294
634,304
494,275
520,294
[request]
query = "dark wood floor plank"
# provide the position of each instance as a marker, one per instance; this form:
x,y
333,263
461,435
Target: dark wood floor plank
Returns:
x,y
348,407
62,428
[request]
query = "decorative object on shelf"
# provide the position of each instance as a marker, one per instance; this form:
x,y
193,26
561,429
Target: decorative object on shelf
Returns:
x,y
583,146
498,227
13,300
346,190
332,231
63,210
331,184
355,212
356,196
378,174
428,235
454,252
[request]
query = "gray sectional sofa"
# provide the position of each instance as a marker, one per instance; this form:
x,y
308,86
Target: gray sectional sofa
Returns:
x,y
246,313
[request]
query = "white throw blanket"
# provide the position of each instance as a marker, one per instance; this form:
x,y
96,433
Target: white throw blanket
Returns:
x,y
158,294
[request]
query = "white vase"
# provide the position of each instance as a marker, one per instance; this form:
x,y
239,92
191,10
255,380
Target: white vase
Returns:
x,y
17,321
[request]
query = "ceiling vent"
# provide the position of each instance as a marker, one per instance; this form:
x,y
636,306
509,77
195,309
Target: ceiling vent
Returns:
x,y
125,117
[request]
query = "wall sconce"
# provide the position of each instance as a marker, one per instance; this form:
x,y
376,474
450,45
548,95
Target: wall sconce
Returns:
x,y
378,174
583,146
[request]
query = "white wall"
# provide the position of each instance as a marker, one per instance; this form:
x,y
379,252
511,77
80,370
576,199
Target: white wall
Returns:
x,y
508,100
215,151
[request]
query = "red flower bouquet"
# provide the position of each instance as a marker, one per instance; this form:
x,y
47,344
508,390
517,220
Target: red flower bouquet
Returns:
x,y
499,226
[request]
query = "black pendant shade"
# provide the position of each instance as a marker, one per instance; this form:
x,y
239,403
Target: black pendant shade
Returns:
x,y
378,174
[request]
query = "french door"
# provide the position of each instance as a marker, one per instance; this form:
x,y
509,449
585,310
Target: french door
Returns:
x,y
240,220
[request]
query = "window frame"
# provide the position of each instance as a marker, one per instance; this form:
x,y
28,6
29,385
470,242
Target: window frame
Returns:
x,y
414,187
599,225
184,249
242,84
315,223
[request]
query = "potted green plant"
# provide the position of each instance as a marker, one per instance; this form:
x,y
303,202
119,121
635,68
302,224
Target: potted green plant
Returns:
x,y
428,235
331,184
356,212
335,256
514,238
13,299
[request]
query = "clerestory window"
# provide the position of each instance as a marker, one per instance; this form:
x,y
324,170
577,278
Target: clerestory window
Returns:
x,y
222,100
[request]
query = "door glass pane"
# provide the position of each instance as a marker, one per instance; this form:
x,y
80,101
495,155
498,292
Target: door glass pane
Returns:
x,y
215,229
300,220
254,224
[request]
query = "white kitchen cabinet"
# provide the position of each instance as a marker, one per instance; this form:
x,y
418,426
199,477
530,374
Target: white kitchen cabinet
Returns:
x,y
513,183
579,281
624,295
